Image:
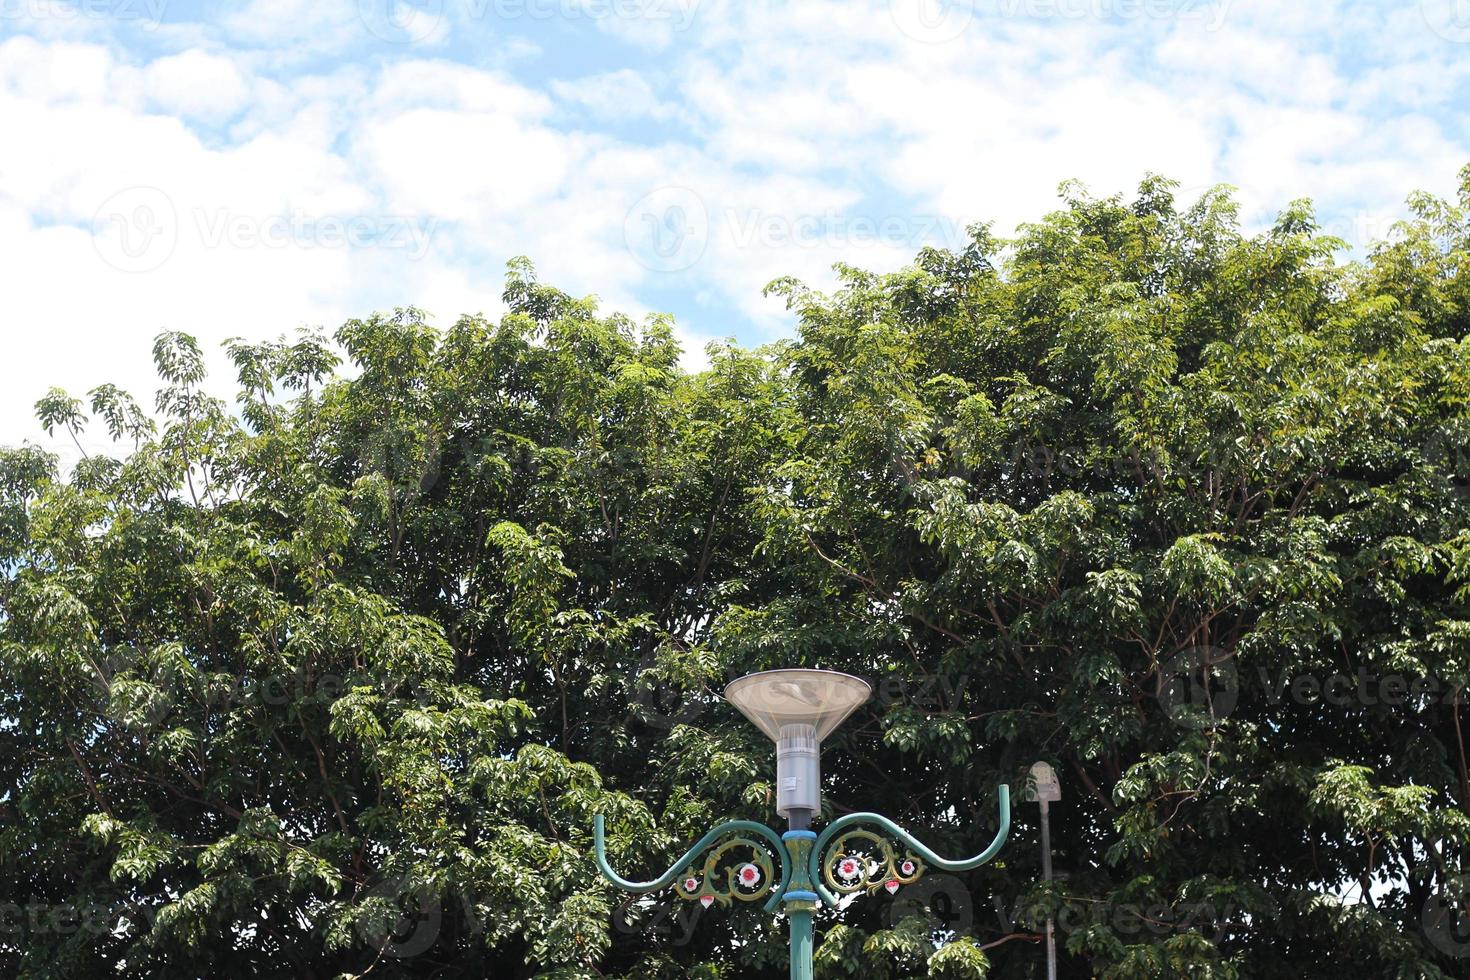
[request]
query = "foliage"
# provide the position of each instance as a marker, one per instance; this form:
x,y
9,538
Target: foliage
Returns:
x,y
332,683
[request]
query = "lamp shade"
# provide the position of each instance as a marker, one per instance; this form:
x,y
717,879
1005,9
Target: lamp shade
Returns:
x,y
774,699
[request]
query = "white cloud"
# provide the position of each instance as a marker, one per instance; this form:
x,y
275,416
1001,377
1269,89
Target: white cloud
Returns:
x,y
614,95
196,85
320,24
463,164
420,84
54,72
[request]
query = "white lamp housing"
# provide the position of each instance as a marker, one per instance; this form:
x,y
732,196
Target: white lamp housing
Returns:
x,y
798,708
1045,787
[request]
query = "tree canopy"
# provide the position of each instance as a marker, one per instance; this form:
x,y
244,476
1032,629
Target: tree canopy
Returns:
x,y
332,681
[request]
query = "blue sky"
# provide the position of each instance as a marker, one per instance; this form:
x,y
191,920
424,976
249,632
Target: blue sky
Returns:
x,y
248,168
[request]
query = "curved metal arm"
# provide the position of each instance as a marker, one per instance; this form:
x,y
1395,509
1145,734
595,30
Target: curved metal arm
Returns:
x,y
915,846
667,878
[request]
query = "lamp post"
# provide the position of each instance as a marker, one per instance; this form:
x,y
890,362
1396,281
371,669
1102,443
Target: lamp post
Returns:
x,y
1046,789
797,709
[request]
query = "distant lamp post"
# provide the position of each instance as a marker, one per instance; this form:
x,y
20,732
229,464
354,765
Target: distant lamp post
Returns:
x,y
797,709
1046,789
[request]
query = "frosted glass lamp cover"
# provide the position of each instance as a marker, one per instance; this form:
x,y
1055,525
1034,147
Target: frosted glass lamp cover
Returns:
x,y
773,699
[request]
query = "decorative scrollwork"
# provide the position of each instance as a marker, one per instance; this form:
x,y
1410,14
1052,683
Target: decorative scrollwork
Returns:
x,y
846,861
722,876
744,881
861,860
839,861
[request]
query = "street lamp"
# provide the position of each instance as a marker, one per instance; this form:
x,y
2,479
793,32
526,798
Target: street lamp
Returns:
x,y
1046,789
797,709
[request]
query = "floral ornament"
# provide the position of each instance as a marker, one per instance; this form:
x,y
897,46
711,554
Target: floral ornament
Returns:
x,y
721,882
861,860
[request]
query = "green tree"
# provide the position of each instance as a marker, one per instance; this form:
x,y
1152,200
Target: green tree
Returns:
x,y
331,682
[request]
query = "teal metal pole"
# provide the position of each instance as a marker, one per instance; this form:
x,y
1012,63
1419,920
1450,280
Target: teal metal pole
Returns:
x,y
801,941
800,901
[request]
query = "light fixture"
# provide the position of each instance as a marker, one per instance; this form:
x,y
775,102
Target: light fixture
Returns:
x,y
796,709
1045,787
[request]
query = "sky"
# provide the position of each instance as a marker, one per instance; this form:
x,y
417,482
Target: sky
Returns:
x,y
249,168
